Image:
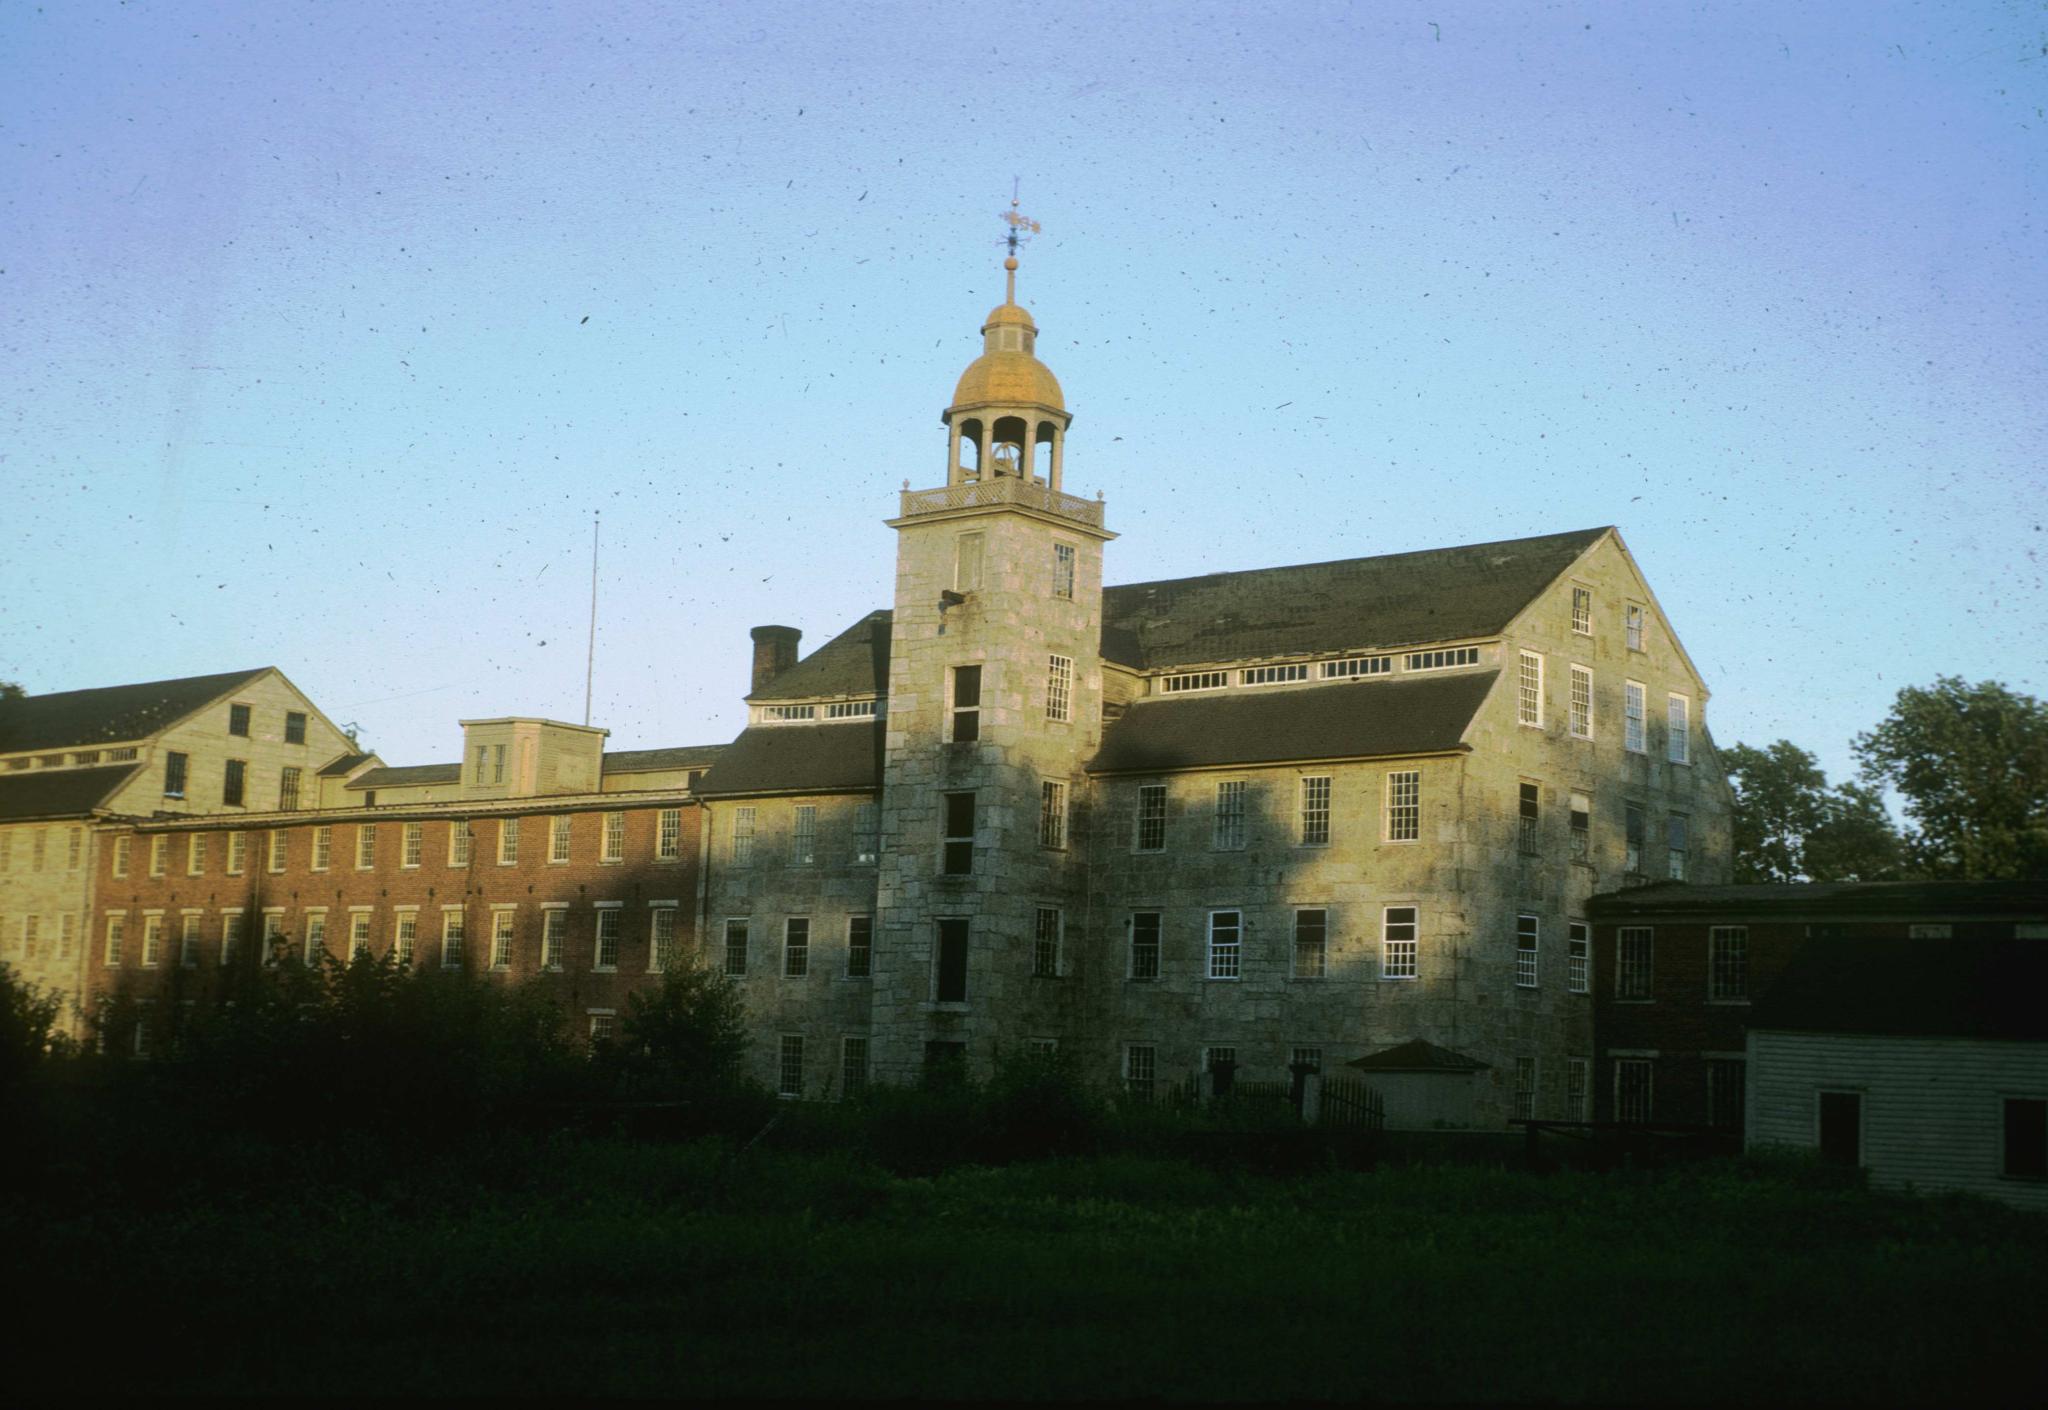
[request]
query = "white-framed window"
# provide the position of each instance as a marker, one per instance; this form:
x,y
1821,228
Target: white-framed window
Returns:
x,y
1398,928
405,935
366,846
1578,1091
502,922
1186,681
451,938
803,835
853,1065
1442,659
605,955
554,937
966,705
736,946
1052,813
159,853
238,853
860,946
1311,943
188,939
968,552
742,842
152,939
1582,611
230,935
288,788
1728,963
1634,1095
195,854
497,763
1063,570
316,936
1226,944
1273,675
1059,688
852,709
614,848
558,838
1355,666
867,829
1677,729
1633,618
1529,835
1578,949
1581,831
668,834
273,849
604,1025
1140,1070
1529,690
956,848
661,938
323,847
1229,833
1633,956
1045,946
409,845
1144,930
117,939
787,714
789,1068
1582,703
1150,832
508,842
461,843
1404,806
118,862
1315,810
796,947
1678,844
1525,1088
1526,927
1634,835
1634,733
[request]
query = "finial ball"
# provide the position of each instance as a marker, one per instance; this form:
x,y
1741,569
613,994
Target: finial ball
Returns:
x,y
1011,264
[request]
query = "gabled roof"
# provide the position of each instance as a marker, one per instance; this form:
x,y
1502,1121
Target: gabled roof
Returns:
x,y
406,776
647,761
1418,1055
1344,720
1964,988
109,714
60,793
342,763
843,756
856,662
1874,900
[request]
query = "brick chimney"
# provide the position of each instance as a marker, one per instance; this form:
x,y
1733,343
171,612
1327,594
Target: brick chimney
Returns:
x,y
774,653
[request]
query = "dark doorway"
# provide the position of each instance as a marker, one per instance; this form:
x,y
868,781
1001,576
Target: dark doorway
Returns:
x,y
1841,1128
952,967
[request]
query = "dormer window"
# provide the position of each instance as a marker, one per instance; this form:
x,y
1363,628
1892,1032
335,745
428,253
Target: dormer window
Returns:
x,y
787,714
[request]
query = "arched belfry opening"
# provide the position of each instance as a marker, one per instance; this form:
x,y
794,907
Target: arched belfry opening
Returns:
x,y
1009,419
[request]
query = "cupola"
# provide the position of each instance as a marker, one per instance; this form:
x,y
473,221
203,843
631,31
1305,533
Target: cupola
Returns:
x,y
1008,416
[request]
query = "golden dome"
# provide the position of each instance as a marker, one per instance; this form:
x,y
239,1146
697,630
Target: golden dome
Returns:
x,y
1008,378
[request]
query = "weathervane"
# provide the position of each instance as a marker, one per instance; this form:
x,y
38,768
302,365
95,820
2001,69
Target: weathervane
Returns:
x,y
1022,228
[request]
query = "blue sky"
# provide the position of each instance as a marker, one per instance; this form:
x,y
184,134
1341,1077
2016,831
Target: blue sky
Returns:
x,y
325,329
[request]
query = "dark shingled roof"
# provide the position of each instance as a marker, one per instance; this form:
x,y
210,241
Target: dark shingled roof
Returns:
x,y
1966,988
843,756
108,714
59,793
647,761
1876,900
342,764
1418,1055
407,776
1396,599
1346,720
856,662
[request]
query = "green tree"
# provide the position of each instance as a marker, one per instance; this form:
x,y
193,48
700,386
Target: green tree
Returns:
x,y
10,691
1971,762
1791,825
691,1030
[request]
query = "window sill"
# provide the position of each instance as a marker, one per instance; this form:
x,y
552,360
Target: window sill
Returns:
x,y
604,969
1399,978
611,861
1728,1003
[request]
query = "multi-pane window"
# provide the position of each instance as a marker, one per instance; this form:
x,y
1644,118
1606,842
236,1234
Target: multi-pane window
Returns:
x,y
411,844
558,837
451,939
1150,835
1045,947
118,863
1634,833
159,852
1226,943
316,936
273,849
288,788
957,849
1063,570
1311,943
39,850
661,939
1632,1095
796,947
1633,618
483,754
238,852
1525,1088
1578,949
234,777
1404,806
867,826
668,834
1728,962
1315,811
1582,611
501,939
853,1065
1059,687
967,556
508,842
1581,827
1353,667
497,763
1441,659
1632,960
323,847
1397,942
1678,844
1582,703
29,927
188,939
1678,729
1525,951
174,774
117,935
803,835
152,941
1577,1090
860,946
966,704
273,937
1633,734
604,1026
736,946
789,1071
67,934
1052,813
1529,690
606,954
1145,945
1725,1100
74,848
1230,802
366,846
295,727
1140,1070
614,845
554,938
238,720
1273,675
1193,680
742,836
405,940
230,936
1529,830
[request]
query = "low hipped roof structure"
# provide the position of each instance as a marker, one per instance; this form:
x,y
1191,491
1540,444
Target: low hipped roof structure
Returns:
x,y
843,756
60,793
1418,1055
1960,988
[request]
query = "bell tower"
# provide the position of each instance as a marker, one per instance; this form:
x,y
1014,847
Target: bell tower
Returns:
x,y
995,706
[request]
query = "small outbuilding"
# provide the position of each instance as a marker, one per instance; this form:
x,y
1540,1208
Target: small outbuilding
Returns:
x,y
1425,1087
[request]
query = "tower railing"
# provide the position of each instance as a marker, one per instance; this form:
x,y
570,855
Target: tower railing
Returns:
x,y
1002,489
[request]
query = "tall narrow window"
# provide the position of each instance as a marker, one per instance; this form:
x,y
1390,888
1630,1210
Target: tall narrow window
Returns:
x,y
554,938
366,846
803,835
159,851
1582,703
1728,962
1525,1088
966,704
742,836
1633,617
668,834
1226,943
860,946
1145,945
1578,957
152,941
461,840
1632,960
411,844
230,936
188,940
273,849
796,947
117,864
1678,729
1311,944
232,783
1582,611
295,727
405,942
1397,942
789,1069
451,939
950,976
957,850
74,848
1577,1091
1404,806
1678,842
1045,947
1525,951
117,936
1315,811
238,720
1581,827
174,774
606,954
1059,687
1139,1071
1063,570
287,789
1530,830
238,852
1633,1097
558,837
1150,835
736,947
1230,830
501,939
1529,690
1052,813
1634,736
967,556
867,826
614,849
1633,838
497,763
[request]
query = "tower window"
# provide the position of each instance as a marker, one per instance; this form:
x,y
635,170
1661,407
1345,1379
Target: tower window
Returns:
x,y
1059,688
966,704
957,857
1063,570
